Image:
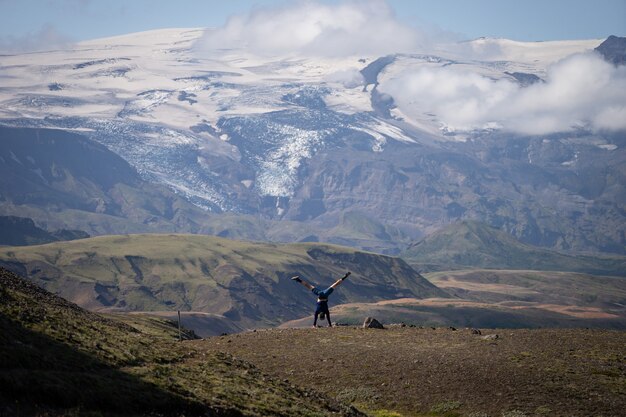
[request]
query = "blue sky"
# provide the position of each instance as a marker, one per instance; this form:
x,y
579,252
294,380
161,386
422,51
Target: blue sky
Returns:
x,y
25,23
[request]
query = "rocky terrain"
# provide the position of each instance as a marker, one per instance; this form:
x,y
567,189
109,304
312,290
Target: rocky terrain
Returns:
x,y
405,371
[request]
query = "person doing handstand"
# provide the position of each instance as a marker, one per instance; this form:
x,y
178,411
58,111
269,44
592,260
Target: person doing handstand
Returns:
x,y
322,297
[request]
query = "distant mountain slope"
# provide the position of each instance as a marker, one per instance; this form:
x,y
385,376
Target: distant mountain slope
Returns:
x,y
474,244
518,288
65,180
58,359
286,147
18,231
249,283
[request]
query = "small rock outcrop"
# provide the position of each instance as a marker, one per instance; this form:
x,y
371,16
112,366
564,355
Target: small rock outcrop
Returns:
x,y
372,323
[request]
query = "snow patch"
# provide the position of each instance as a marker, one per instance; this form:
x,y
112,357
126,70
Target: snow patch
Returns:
x,y
146,102
279,168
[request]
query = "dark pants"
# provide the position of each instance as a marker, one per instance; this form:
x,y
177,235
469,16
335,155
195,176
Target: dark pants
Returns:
x,y
322,307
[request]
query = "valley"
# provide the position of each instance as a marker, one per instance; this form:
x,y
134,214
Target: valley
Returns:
x,y
501,299
246,283
229,286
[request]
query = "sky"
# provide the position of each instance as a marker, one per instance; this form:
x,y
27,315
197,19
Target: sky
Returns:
x,y
32,24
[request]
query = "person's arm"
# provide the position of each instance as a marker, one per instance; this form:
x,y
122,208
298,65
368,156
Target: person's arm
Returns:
x,y
303,282
340,280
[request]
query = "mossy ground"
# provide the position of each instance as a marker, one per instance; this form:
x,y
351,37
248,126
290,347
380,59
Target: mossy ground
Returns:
x,y
57,359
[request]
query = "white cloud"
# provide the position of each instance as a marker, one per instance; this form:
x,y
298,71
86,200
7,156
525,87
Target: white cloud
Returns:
x,y
366,27
45,39
581,90
349,78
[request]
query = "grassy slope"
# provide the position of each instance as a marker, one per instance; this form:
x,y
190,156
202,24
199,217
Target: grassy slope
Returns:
x,y
246,282
417,372
58,359
470,244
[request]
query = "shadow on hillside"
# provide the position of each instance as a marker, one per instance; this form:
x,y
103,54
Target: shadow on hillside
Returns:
x,y
39,374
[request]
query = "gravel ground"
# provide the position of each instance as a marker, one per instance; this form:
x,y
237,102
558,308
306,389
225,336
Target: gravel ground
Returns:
x,y
413,371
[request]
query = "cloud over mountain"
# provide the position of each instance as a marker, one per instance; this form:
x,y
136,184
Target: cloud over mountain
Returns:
x,y
46,38
349,78
580,91
347,28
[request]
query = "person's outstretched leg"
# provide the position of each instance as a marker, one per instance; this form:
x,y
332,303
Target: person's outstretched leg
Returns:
x,y
303,282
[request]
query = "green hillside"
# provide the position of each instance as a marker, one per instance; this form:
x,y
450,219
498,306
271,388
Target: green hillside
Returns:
x,y
248,283
57,359
471,244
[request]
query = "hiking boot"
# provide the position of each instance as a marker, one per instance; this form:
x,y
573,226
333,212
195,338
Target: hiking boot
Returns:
x,y
296,278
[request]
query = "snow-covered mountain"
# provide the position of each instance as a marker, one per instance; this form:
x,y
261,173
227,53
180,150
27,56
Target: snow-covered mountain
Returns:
x,y
358,150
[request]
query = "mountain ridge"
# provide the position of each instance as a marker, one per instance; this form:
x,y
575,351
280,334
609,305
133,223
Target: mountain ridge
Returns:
x,y
281,148
475,244
613,49
18,231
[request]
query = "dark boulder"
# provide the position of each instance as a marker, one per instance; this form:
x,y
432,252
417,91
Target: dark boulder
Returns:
x,y
372,323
